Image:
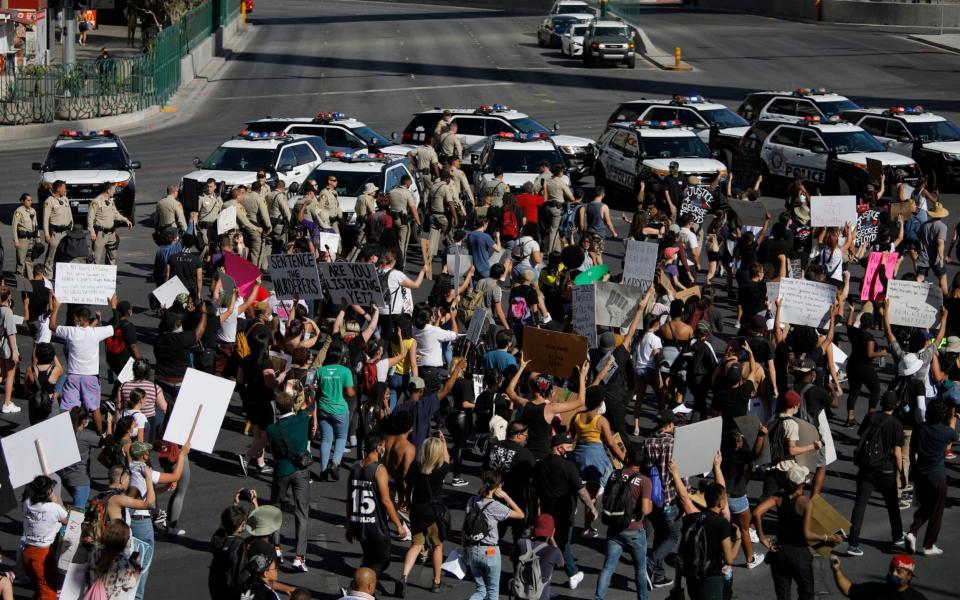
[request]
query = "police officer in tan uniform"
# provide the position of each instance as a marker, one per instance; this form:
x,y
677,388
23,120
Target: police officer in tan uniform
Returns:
x,y
236,197
443,125
494,188
427,163
329,204
169,211
442,205
449,145
542,176
403,210
209,206
555,193
264,186
25,232
365,208
255,207
57,221
278,209
102,223
460,186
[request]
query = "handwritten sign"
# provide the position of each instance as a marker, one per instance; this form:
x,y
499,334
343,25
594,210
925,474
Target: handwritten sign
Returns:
x,y
901,209
750,212
640,264
806,302
295,276
690,292
167,293
833,211
227,219
78,283
796,269
552,352
913,303
243,272
355,283
585,312
696,201
872,288
616,304
868,225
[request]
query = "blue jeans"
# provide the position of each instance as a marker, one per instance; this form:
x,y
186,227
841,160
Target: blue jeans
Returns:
x,y
636,543
142,529
485,569
79,494
333,432
568,558
398,387
155,422
666,527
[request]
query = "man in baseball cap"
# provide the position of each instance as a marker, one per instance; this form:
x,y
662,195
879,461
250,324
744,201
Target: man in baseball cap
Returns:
x,y
900,574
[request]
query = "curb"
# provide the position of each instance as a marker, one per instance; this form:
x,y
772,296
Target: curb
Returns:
x,y
19,133
655,55
921,39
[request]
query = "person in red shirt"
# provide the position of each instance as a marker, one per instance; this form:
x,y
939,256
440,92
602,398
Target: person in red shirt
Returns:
x,y
529,202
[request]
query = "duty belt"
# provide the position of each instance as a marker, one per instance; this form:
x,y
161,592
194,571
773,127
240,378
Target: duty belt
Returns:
x,y
206,225
61,228
26,235
104,229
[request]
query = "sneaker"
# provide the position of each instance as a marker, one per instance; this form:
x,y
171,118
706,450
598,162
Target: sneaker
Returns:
x,y
908,487
279,554
949,455
175,531
754,538
401,588
854,550
334,473
911,542
756,561
353,441
435,588
265,469
905,503
160,519
575,580
901,543
932,551
590,532
9,409
299,564
458,482
243,463
649,581
661,581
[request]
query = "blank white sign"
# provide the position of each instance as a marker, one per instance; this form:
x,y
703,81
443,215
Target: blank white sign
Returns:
x,y
199,389
694,446
59,449
167,293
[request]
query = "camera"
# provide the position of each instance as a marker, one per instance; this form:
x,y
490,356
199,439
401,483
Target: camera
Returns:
x,y
245,495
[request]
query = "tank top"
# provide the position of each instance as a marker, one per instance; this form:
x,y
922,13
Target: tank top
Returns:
x,y
403,367
43,379
587,432
368,517
595,224
538,440
789,524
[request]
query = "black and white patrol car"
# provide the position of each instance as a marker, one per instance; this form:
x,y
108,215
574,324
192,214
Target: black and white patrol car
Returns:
x,y
340,132
831,155
281,156
931,140
628,153
354,172
476,125
85,161
794,106
519,155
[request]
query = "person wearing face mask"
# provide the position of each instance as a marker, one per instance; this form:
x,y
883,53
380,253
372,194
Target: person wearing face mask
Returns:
x,y
671,186
900,575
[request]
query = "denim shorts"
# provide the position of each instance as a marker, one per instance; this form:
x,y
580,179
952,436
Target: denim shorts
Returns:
x,y
738,504
938,271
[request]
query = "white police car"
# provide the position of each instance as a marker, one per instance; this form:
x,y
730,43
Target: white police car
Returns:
x,y
476,125
85,161
340,132
832,155
628,153
571,42
794,106
281,156
354,172
932,140
519,155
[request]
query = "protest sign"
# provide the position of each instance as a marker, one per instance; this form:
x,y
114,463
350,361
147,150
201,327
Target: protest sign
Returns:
x,y
355,283
295,276
796,269
695,446
457,266
750,212
833,211
826,521
126,373
201,405
618,442
773,293
640,264
553,353
608,359
901,209
328,242
875,171
71,539
829,447
914,303
749,427
806,302
42,449
868,225
80,283
616,304
477,321
167,293
839,356
227,220
872,288
696,201
808,435
561,395
280,361
584,307
243,272
690,292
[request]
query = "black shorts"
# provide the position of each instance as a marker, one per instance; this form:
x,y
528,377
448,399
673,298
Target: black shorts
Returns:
x,y
376,555
258,412
713,256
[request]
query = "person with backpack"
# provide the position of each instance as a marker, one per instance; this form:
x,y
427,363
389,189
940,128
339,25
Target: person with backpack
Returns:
x,y
665,517
534,560
814,399
515,464
41,383
76,478
784,443
397,288
526,254
877,457
227,548
480,534
626,502
509,219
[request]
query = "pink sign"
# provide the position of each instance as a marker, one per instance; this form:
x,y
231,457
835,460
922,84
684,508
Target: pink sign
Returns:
x,y
243,272
872,288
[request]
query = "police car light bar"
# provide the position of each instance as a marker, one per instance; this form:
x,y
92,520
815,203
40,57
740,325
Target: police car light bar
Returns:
x,y
523,137
805,91
697,99
661,124
79,134
906,110
811,119
488,108
261,135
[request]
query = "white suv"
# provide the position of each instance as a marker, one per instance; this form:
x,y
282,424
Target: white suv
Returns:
x,y
794,106
519,155
353,173
340,132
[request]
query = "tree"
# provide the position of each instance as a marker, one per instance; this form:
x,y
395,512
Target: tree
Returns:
x,y
165,12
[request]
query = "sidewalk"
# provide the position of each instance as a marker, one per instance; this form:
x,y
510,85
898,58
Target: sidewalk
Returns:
x,y
111,37
946,41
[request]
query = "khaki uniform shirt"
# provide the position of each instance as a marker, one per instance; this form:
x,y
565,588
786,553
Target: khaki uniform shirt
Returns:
x,y
255,206
24,222
442,127
495,188
450,145
242,220
170,212
460,185
539,181
329,202
103,214
56,211
401,200
556,190
425,157
441,196
278,208
366,205
210,207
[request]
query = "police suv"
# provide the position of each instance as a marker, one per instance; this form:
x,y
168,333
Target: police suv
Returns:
x,y
354,172
628,153
830,154
85,161
519,155
340,132
475,126
794,106
932,140
281,156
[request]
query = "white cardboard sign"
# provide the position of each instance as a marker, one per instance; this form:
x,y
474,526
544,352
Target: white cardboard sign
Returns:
x,y
199,390
55,436
227,219
167,293
295,276
616,304
640,264
829,447
126,373
357,283
329,242
695,446
585,313
78,283
914,304
806,302
833,211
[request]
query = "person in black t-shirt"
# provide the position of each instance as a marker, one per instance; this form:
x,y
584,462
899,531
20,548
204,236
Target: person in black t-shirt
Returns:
x,y
860,365
930,440
815,399
186,266
515,463
36,302
896,587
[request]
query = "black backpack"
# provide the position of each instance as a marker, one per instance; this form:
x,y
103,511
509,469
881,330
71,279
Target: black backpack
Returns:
x,y
385,289
779,445
906,405
695,551
74,247
870,453
475,524
618,508
227,565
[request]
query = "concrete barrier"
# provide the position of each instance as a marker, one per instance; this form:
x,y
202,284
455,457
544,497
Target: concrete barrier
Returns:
x,y
529,7
793,9
848,11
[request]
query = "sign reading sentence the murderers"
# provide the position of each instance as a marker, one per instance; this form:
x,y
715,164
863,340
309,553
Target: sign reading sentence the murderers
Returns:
x,y
914,303
552,352
696,201
78,283
833,211
295,276
585,312
640,264
806,302
355,283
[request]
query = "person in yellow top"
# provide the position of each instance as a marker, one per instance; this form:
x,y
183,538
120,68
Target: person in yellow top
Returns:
x,y
25,234
57,220
406,368
102,224
592,433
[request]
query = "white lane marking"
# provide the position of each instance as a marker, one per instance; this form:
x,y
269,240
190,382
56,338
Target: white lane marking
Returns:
x,y
344,92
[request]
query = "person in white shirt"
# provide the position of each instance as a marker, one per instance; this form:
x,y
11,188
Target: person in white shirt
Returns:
x,y
82,384
689,240
645,365
429,338
397,297
43,516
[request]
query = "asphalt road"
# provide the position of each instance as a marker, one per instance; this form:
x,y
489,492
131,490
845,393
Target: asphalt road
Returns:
x,y
381,62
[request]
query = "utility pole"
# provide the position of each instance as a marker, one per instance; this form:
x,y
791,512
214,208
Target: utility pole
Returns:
x,y
69,33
